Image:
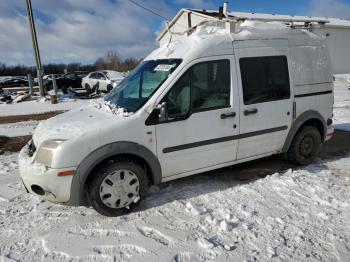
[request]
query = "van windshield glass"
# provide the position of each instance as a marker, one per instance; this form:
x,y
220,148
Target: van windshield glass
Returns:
x,y
135,90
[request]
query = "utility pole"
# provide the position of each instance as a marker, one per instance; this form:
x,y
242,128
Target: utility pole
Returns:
x,y
39,68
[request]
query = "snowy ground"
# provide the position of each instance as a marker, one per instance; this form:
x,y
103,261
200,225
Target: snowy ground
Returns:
x,y
300,215
297,215
36,107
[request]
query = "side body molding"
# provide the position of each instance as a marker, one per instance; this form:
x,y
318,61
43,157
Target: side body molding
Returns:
x,y
304,117
78,196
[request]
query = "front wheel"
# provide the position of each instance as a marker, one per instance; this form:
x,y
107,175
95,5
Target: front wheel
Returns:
x,y
305,147
109,88
117,187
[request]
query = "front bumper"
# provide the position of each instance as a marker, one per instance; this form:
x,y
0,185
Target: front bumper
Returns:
x,y
42,181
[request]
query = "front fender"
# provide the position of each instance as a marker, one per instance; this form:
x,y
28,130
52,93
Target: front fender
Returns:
x,y
78,198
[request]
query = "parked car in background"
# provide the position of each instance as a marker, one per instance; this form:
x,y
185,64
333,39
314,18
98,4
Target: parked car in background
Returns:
x,y
13,82
49,77
72,79
105,80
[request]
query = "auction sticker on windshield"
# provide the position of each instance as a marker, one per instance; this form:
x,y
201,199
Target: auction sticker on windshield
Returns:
x,y
163,67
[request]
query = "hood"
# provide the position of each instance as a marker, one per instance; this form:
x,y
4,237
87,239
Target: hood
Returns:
x,y
75,123
116,78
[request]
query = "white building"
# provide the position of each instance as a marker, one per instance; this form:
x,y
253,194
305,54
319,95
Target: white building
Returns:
x,y
336,30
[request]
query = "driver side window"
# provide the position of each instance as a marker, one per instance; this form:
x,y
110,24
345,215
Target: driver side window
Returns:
x,y
205,86
179,98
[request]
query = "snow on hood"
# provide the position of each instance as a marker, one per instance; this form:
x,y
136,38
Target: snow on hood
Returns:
x,y
75,123
108,107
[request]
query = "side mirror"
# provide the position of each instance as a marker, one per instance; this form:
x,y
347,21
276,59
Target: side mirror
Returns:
x,y
163,112
158,115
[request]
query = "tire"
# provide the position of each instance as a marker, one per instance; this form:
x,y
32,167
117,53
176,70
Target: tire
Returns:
x,y
87,87
111,193
109,88
305,147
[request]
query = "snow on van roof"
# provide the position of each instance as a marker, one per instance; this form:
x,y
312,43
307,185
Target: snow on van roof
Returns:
x,y
215,33
329,22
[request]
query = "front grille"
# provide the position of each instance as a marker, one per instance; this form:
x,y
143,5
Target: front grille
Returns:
x,y
31,148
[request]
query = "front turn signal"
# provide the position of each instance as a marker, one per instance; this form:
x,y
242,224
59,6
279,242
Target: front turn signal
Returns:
x,y
66,173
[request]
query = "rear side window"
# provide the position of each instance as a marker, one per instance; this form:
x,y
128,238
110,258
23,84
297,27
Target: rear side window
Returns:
x,y
264,79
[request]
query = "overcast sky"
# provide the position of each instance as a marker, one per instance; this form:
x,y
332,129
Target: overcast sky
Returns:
x,y
83,30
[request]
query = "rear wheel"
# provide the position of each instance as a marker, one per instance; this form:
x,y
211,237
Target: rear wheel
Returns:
x,y
305,147
117,187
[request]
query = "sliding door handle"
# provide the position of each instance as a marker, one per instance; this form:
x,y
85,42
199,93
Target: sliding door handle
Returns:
x,y
250,112
224,116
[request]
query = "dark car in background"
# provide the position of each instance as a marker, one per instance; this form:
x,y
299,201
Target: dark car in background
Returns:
x,y
69,80
13,82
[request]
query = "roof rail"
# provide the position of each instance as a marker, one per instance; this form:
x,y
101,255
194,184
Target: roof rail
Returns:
x,y
285,20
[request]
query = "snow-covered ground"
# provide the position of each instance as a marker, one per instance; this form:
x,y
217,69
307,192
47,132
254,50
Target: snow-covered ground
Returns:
x,y
297,215
300,215
37,107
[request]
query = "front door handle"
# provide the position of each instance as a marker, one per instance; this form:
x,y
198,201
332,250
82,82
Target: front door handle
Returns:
x,y
250,112
224,116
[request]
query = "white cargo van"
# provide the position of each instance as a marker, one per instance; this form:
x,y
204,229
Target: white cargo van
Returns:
x,y
213,99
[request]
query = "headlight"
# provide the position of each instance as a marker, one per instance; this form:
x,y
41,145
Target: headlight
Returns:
x,y
114,84
46,151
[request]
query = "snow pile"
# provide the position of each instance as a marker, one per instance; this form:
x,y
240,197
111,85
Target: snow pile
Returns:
x,y
108,107
249,27
27,164
216,30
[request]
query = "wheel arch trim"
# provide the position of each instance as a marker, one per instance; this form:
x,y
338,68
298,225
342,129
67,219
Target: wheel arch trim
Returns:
x,y
85,168
300,121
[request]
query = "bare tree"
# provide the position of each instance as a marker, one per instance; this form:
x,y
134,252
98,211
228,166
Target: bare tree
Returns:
x,y
112,60
100,64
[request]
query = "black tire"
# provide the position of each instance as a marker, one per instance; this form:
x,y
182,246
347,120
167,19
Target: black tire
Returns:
x,y
305,147
95,186
109,88
87,87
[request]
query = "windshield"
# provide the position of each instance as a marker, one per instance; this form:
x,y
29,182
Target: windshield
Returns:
x,y
135,90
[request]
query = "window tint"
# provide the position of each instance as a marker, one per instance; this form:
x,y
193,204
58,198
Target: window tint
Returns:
x,y
100,76
70,76
211,85
204,86
264,79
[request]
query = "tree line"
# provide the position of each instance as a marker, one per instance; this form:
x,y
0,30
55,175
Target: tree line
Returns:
x,y
111,61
